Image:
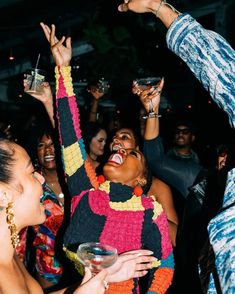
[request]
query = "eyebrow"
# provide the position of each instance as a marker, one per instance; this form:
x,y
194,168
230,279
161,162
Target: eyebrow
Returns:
x,y
124,133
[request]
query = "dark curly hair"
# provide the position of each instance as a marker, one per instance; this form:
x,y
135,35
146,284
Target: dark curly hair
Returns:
x,y
6,161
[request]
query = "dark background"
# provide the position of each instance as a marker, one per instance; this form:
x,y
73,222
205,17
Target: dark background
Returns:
x,y
118,47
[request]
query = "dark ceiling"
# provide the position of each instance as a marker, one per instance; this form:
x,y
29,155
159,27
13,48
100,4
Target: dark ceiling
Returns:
x,y
106,43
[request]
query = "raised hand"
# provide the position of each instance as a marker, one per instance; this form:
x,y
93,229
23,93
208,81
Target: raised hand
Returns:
x,y
96,92
45,96
150,98
62,54
139,6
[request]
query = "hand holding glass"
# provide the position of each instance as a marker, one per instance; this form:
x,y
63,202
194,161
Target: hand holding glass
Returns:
x,y
145,84
96,256
34,80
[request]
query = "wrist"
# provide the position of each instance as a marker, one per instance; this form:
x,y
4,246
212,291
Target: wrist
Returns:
x,y
165,12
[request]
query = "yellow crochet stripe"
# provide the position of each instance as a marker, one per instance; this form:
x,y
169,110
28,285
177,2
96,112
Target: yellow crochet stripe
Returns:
x,y
74,258
72,158
133,204
156,263
105,187
157,208
66,73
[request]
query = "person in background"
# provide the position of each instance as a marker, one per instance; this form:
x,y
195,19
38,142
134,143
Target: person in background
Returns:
x,y
94,136
212,61
42,249
184,136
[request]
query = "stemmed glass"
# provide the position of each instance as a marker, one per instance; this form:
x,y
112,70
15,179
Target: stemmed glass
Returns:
x,y
96,256
147,83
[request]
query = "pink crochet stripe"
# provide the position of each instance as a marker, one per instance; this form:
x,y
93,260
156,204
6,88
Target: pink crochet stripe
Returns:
x,y
61,89
123,230
162,224
99,202
147,203
75,115
75,200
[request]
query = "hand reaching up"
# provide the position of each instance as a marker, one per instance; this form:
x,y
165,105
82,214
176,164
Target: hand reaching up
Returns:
x,y
62,54
150,98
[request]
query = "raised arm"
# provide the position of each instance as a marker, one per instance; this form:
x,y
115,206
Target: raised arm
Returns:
x,y
46,98
76,166
208,55
97,94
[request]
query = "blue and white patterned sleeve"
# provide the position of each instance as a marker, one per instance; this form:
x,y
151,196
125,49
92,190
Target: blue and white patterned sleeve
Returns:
x,y
210,58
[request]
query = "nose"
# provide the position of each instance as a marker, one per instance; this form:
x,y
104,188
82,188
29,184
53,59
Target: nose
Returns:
x,y
122,151
115,140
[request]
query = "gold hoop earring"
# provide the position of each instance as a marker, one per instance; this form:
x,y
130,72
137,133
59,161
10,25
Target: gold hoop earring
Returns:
x,y
15,241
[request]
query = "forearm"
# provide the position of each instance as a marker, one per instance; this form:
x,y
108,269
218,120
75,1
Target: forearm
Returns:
x,y
73,150
50,111
152,128
210,58
93,111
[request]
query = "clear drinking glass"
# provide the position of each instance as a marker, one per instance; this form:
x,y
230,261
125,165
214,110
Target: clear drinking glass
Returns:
x,y
147,83
96,256
34,79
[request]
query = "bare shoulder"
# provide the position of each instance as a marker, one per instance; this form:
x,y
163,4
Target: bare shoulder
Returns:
x,y
15,279
158,187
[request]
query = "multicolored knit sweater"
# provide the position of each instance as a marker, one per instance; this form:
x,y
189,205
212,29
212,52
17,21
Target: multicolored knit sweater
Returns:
x,y
109,212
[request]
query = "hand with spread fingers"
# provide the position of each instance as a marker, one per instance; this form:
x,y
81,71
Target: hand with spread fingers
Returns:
x,y
62,54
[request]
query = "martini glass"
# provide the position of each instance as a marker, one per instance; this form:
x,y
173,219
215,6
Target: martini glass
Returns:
x,y
96,256
147,83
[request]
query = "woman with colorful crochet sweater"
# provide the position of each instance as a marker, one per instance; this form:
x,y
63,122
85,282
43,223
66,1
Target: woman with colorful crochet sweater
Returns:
x,y
113,211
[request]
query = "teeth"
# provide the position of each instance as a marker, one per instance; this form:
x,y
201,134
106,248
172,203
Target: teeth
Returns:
x,y
116,147
49,157
117,158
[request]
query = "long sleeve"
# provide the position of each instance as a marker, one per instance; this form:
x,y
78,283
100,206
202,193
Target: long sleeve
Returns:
x,y
210,58
80,174
157,239
177,174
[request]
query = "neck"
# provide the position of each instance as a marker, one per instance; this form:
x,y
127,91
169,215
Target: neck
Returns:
x,y
5,240
183,150
50,175
93,157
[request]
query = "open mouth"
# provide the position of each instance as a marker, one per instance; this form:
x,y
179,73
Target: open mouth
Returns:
x,y
116,147
49,158
116,158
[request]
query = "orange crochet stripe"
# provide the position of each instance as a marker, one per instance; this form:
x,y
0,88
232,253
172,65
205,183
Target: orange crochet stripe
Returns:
x,y
121,288
162,280
91,174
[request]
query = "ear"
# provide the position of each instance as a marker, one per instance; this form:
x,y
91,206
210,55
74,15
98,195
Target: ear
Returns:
x,y
137,148
5,196
193,138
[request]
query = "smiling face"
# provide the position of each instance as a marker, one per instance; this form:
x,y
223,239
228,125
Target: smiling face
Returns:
x,y
124,138
25,189
126,166
46,152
